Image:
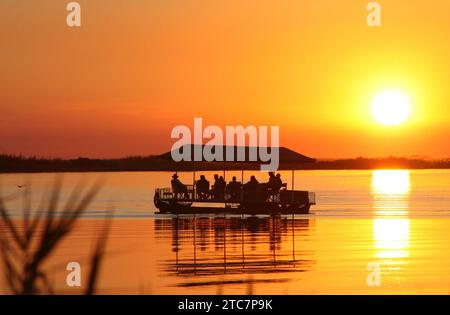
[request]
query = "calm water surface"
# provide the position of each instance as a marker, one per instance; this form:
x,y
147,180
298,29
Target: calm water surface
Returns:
x,y
396,221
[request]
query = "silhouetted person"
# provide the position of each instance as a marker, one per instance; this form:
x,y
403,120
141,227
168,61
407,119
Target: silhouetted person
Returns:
x,y
278,183
234,189
271,178
270,185
222,184
218,189
178,187
215,189
251,188
202,187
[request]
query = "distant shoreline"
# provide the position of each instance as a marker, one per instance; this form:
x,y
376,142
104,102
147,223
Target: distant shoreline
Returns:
x,y
19,164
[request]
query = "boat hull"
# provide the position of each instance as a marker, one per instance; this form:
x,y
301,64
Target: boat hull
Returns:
x,y
249,208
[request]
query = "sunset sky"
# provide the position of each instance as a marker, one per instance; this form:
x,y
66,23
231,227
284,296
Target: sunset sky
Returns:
x,y
135,69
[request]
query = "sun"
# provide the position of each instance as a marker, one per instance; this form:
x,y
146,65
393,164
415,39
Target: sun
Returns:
x,y
390,108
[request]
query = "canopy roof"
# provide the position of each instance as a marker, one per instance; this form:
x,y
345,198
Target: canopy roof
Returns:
x,y
286,156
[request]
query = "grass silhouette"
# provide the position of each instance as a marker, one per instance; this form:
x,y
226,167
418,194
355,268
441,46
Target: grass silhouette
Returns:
x,y
26,244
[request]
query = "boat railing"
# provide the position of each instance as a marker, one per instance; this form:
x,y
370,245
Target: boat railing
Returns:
x,y
168,193
191,195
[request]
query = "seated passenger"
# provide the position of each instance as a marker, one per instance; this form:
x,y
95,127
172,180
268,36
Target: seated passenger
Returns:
x,y
202,187
234,189
221,186
251,188
178,187
218,189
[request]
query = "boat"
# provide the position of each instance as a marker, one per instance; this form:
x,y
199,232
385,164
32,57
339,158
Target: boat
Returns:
x,y
260,202
286,202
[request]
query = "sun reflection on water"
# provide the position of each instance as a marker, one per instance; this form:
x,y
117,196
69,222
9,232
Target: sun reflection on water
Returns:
x,y
391,238
390,191
391,226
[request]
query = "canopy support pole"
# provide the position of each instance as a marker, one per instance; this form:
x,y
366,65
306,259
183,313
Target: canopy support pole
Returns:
x,y
195,245
193,186
242,184
292,185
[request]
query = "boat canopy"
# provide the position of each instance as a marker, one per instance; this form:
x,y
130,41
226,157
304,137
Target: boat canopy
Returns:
x,y
240,156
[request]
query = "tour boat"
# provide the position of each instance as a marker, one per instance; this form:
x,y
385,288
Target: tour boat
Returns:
x,y
285,201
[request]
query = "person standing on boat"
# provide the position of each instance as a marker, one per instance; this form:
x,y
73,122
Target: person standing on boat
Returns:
x,y
178,187
202,187
272,178
270,185
278,183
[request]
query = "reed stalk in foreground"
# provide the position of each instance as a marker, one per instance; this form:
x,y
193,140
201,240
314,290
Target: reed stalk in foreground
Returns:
x,y
26,245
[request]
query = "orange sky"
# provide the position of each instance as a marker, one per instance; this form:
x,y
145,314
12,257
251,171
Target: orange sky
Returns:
x,y
135,69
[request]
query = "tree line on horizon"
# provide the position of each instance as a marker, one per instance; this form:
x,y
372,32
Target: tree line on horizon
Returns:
x,y
17,163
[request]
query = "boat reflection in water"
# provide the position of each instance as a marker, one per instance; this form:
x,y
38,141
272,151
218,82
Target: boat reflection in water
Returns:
x,y
235,250
391,225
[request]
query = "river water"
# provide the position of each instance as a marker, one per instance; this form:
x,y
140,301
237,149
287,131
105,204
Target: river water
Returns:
x,y
371,232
